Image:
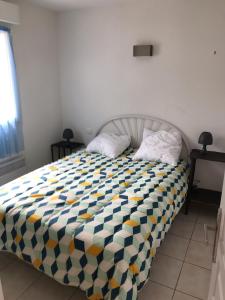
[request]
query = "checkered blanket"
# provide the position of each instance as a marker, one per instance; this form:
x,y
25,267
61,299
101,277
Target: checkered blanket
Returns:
x,y
92,222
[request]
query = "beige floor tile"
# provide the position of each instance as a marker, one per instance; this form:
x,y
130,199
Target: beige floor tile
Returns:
x,y
174,246
182,229
165,270
198,234
194,281
155,291
207,216
190,217
5,259
78,295
17,277
199,254
46,288
181,296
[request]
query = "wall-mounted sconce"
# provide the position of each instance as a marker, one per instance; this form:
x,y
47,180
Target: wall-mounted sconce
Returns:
x,y
143,50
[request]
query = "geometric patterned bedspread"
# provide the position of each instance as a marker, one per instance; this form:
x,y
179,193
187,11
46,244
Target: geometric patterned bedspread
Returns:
x,y
92,222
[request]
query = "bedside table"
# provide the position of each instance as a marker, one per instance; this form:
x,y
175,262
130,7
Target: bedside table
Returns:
x,y
198,154
64,146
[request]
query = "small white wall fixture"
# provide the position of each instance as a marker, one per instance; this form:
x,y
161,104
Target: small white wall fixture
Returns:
x,y
9,13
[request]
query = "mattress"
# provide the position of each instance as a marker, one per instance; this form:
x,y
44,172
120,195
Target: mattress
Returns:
x,y
93,222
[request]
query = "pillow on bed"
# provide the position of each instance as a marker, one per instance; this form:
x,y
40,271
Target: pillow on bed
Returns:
x,y
109,144
161,146
147,132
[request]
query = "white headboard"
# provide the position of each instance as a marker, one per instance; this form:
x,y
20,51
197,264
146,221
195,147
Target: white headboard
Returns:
x,y
133,125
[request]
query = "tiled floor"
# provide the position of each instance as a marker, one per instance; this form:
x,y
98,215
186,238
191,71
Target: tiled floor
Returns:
x,y
180,271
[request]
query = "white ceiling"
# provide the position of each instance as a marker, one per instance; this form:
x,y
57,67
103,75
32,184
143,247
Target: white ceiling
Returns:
x,y
61,5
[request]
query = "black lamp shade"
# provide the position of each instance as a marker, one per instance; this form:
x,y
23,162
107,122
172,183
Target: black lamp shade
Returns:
x,y
68,134
205,139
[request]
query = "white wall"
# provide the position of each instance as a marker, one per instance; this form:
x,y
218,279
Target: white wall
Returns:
x,y
36,53
182,83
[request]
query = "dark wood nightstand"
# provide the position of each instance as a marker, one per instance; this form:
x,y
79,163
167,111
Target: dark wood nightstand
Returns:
x,y
64,145
199,154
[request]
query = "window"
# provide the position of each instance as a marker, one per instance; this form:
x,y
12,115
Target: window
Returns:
x,y
11,138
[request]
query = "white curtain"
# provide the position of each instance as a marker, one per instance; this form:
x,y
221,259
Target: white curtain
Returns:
x,y
11,141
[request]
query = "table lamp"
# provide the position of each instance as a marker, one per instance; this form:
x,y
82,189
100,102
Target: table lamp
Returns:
x,y
205,139
68,134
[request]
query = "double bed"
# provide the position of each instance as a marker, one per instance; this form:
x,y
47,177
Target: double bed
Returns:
x,y
94,222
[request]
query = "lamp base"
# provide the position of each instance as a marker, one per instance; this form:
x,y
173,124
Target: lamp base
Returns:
x,y
67,141
204,149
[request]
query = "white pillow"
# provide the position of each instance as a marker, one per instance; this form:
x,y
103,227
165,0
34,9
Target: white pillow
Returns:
x,y
147,132
161,146
109,144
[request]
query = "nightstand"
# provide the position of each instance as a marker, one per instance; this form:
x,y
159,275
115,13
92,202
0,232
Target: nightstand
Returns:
x,y
64,145
199,154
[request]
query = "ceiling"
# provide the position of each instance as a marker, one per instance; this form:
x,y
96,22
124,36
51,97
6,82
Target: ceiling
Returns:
x,y
62,5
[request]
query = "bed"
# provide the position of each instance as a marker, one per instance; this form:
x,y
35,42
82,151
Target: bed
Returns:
x,y
92,222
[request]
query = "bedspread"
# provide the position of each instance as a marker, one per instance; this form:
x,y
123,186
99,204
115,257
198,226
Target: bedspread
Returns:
x,y
92,222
